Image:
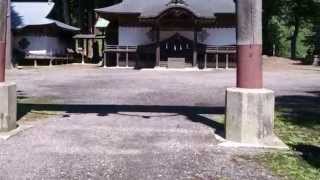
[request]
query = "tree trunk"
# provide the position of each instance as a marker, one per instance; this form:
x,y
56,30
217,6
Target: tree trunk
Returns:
x,y
91,15
295,38
317,40
267,41
66,15
80,15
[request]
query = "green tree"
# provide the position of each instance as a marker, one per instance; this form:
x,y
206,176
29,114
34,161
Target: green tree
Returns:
x,y
297,14
271,9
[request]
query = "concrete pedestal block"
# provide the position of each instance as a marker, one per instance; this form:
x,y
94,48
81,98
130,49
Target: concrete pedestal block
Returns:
x,y
249,115
8,106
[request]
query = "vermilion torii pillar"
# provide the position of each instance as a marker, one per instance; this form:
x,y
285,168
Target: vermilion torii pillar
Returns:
x,y
8,94
249,44
3,30
249,107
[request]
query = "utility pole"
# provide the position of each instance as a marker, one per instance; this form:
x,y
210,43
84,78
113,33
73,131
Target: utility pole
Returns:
x,y
3,35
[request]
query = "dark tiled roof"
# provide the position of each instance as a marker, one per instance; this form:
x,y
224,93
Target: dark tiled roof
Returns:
x,y
35,14
152,8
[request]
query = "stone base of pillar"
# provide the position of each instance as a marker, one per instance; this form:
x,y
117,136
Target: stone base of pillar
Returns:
x,y
8,107
250,117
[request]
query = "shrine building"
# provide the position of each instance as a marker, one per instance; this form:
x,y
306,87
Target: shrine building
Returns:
x,y
171,33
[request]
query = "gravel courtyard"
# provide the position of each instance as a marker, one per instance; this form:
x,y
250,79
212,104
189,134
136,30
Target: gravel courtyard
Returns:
x,y
95,123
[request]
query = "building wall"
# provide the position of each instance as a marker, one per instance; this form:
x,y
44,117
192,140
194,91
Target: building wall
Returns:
x,y
52,45
134,36
167,34
219,36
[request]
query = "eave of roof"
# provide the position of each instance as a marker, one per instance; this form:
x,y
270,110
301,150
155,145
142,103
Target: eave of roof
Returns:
x,y
35,14
152,8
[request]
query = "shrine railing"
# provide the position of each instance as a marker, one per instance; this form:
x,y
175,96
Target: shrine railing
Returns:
x,y
120,49
214,57
221,49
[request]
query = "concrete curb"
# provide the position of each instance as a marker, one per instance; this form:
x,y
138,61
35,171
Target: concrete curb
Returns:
x,y
118,67
10,134
275,143
188,69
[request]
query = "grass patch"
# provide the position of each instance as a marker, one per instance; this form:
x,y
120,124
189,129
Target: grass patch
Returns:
x,y
297,123
290,166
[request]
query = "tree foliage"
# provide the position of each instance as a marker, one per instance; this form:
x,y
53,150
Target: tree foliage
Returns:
x,y
289,27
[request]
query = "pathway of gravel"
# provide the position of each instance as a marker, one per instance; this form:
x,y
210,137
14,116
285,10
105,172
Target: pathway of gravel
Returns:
x,y
127,124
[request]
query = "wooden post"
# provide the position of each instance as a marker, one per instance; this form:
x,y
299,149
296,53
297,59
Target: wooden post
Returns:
x,y
50,62
87,49
105,59
35,63
195,49
158,51
118,57
84,51
127,57
217,60
316,60
205,60
77,44
249,44
82,57
90,49
3,30
227,61
104,52
103,39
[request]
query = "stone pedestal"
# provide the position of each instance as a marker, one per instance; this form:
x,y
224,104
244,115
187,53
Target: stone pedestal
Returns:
x,y
249,115
8,106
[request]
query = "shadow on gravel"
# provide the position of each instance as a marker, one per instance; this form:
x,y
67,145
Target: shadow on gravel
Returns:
x,y
193,113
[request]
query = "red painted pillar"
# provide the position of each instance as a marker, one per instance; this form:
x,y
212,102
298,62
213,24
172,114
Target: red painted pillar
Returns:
x,y
249,44
3,30
2,60
9,60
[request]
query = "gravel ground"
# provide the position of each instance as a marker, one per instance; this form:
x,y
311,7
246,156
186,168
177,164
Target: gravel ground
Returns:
x,y
128,124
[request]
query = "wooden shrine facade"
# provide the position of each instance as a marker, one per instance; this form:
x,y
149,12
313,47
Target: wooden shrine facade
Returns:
x,y
177,36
